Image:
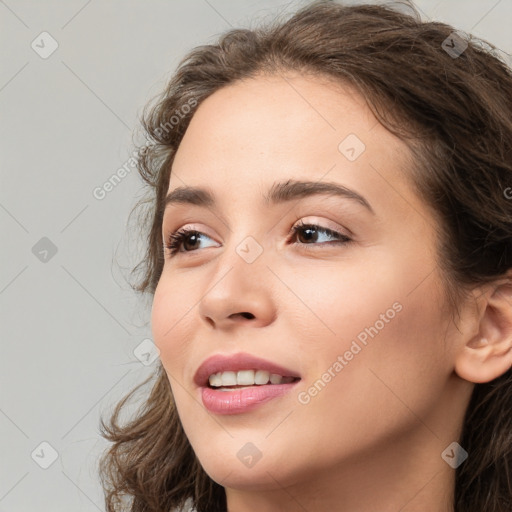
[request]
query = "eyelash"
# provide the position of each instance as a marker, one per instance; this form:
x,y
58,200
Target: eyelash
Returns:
x,y
176,238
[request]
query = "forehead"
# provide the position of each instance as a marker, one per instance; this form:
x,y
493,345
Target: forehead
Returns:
x,y
243,119
255,132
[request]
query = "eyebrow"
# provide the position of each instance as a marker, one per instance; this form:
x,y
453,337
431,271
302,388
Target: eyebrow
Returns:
x,y
278,193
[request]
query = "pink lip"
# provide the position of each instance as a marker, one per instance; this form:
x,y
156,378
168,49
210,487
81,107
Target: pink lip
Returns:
x,y
242,400
239,400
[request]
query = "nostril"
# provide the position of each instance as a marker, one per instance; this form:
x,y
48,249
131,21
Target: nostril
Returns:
x,y
245,315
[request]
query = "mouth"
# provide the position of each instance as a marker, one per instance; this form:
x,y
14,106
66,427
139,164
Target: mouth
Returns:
x,y
237,383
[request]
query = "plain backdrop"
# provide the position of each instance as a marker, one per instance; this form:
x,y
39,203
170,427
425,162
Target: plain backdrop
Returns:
x,y
74,78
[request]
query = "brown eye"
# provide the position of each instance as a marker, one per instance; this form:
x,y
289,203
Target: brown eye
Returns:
x,y
309,234
186,238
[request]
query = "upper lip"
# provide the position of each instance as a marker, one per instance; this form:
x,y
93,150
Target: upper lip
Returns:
x,y
235,362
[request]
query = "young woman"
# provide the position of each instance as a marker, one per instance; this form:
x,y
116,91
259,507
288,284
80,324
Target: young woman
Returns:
x,y
330,262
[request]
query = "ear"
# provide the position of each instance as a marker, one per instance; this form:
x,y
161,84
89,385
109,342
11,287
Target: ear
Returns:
x,y
487,355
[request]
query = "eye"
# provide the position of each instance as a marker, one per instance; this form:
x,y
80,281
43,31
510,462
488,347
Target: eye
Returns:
x,y
311,233
181,238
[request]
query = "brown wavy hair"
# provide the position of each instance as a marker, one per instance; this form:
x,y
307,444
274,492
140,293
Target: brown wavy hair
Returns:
x,y
454,113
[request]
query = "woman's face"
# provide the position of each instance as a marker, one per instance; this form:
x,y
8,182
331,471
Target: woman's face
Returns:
x,y
362,322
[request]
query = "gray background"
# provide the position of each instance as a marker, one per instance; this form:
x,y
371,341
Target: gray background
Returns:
x,y
69,322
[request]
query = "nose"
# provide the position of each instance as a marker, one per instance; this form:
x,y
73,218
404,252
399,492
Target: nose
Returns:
x,y
239,293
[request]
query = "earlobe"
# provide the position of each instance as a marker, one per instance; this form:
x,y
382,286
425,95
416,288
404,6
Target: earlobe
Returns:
x,y
488,354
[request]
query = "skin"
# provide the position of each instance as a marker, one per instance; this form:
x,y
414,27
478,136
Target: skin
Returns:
x,y
372,438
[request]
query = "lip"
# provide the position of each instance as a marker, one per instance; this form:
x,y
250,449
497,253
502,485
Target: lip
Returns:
x,y
242,400
235,362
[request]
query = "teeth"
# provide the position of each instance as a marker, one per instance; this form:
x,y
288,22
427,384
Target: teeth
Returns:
x,y
228,378
275,379
247,378
261,377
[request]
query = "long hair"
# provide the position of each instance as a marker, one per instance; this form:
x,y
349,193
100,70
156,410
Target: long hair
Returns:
x,y
454,111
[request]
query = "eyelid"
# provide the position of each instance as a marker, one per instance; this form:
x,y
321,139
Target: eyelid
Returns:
x,y
191,226
310,219
326,223
321,222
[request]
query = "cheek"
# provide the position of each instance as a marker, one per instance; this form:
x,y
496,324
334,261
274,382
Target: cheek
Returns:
x,y
386,322
172,324
392,368
335,305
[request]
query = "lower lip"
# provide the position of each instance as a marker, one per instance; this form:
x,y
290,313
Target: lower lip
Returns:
x,y
242,400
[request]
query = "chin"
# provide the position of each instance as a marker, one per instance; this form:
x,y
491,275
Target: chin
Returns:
x,y
235,475
228,465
